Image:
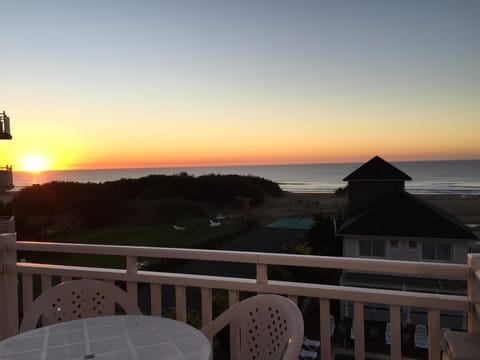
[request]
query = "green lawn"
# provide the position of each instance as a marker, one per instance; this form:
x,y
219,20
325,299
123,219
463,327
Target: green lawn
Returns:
x,y
197,233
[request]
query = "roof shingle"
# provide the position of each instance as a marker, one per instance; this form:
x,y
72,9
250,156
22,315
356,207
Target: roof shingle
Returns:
x,y
405,215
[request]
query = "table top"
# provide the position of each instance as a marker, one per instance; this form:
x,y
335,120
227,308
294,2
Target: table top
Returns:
x,y
109,338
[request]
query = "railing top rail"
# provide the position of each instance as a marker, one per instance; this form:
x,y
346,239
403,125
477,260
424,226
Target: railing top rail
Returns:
x,y
452,271
391,297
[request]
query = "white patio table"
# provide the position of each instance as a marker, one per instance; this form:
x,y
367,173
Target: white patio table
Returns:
x,y
109,337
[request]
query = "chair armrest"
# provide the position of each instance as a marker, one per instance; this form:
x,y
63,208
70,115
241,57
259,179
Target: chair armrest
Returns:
x,y
217,324
460,345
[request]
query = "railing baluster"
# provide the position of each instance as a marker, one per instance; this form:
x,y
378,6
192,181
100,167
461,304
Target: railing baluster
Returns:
x,y
206,305
8,286
233,298
181,303
433,334
262,274
294,298
395,333
359,324
132,288
46,281
473,282
27,291
156,299
325,329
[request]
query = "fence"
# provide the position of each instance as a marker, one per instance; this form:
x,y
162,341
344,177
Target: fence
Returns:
x,y
12,271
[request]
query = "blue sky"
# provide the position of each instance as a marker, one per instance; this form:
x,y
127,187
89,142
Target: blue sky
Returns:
x,y
160,83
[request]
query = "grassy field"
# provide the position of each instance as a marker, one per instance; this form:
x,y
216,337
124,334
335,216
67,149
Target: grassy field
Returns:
x,y
197,231
197,234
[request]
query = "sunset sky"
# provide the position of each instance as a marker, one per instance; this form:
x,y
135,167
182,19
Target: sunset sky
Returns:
x,y
114,84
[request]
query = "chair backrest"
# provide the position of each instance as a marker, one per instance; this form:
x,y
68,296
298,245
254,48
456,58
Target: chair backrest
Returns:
x,y
420,330
332,325
420,338
77,299
388,334
270,327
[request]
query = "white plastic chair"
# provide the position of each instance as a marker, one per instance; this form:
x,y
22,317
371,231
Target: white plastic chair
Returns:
x,y
420,337
269,327
310,344
77,299
388,334
307,354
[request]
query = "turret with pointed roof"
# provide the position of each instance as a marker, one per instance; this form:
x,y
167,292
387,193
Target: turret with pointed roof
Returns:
x,y
371,182
380,206
377,169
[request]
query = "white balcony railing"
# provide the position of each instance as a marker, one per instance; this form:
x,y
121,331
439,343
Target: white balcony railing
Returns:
x,y
4,126
7,224
11,272
6,178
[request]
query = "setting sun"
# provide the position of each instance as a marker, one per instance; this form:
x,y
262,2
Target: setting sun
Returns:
x,y
34,163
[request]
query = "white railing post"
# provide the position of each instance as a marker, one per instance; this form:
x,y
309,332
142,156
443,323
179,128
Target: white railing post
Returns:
x,y
8,286
132,268
433,320
325,329
359,328
395,333
262,274
473,262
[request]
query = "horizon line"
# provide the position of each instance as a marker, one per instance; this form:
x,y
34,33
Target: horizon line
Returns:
x,y
241,165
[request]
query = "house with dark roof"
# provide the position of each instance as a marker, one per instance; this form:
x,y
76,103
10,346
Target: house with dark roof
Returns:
x,y
384,221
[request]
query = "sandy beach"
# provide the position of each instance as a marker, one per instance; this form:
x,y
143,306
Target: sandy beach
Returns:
x,y
465,207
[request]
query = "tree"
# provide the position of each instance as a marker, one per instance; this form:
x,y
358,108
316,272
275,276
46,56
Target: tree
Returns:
x,y
322,236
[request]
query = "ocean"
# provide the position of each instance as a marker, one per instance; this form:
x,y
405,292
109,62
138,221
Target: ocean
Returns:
x,y
428,177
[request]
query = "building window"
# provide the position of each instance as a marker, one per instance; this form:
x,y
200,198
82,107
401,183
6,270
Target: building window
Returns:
x,y
412,245
437,250
394,244
374,248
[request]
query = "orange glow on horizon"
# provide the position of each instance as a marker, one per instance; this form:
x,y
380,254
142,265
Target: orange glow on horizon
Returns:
x,y
64,149
181,162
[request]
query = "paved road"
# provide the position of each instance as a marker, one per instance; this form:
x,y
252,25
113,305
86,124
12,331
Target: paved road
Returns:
x,y
260,240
